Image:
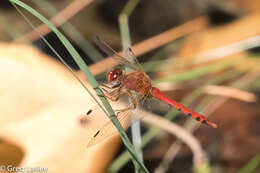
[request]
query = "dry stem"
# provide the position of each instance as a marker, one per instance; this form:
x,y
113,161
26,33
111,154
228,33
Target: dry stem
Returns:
x,y
57,20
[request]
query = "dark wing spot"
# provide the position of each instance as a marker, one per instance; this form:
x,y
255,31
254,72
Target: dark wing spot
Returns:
x,y
204,122
198,118
179,109
189,114
82,121
97,133
89,112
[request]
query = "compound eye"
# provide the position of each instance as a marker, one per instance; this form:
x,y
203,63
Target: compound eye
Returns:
x,y
114,74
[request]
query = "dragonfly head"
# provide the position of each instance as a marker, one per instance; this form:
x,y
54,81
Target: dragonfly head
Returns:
x,y
114,76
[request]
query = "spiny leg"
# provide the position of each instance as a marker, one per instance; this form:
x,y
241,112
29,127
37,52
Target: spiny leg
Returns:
x,y
112,95
111,89
104,85
116,93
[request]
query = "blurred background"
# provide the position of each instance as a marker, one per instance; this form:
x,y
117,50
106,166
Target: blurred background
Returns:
x,y
203,53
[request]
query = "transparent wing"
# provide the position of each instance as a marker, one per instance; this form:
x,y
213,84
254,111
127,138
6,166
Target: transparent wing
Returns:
x,y
130,54
109,129
110,52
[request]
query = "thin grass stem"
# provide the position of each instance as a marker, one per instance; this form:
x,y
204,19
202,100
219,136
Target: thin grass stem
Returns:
x,y
126,41
109,111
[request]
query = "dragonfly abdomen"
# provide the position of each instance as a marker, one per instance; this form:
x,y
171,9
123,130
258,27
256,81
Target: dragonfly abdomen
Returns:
x,y
159,95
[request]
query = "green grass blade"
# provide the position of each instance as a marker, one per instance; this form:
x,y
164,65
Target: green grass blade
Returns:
x,y
251,166
109,111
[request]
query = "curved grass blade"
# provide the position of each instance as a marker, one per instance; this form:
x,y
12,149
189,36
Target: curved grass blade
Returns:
x,y
110,113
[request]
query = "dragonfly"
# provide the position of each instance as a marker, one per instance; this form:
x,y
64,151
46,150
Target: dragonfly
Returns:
x,y
120,83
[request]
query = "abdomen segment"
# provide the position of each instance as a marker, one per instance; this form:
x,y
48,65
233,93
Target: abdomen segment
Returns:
x,y
159,95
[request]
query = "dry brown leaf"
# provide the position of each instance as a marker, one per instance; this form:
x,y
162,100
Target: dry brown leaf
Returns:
x,y
41,105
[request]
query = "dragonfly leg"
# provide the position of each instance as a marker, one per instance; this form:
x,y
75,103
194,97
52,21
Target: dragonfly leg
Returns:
x,y
104,85
116,93
112,95
107,88
110,89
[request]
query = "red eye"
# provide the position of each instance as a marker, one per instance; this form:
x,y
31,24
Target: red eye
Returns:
x,y
114,74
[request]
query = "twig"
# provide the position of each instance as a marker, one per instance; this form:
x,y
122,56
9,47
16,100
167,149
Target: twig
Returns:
x,y
72,31
155,42
199,156
246,79
226,91
172,152
57,20
212,106
223,51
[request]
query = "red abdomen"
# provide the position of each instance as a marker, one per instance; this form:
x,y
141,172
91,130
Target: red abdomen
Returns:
x,y
159,95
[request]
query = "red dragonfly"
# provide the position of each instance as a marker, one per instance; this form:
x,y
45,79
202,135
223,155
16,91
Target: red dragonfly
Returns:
x,y
139,82
120,82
